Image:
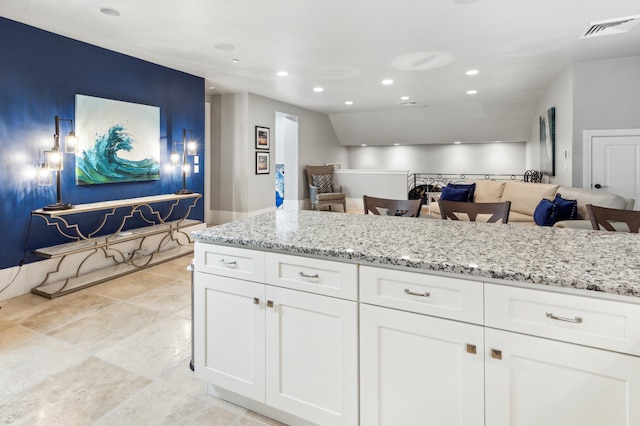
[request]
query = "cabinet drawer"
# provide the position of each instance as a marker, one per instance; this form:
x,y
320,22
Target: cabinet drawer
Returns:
x,y
313,275
422,293
601,323
230,261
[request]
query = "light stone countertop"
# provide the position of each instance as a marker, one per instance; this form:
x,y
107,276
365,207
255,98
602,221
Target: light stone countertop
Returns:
x,y
582,259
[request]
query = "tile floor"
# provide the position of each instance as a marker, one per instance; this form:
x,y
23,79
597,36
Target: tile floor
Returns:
x,y
113,354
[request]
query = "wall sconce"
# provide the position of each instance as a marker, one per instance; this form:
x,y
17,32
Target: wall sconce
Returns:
x,y
54,161
189,147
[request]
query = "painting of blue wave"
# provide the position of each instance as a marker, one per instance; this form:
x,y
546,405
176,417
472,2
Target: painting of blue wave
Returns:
x,y
102,164
119,141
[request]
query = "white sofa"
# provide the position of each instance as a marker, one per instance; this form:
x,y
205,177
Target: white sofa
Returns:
x,y
525,196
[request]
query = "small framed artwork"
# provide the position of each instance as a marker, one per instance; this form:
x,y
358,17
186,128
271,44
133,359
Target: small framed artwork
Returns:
x,y
262,137
262,163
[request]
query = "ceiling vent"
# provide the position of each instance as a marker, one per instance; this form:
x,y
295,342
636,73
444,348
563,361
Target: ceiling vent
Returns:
x,y
611,26
407,103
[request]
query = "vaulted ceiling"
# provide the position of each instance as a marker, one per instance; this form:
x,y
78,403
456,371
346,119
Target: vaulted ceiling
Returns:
x,y
348,48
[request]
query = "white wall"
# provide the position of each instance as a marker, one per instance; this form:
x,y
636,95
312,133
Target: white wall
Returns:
x,y
559,94
606,96
491,158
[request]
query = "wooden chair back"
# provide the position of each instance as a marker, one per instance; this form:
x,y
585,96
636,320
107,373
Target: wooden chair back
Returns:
x,y
601,217
407,208
498,211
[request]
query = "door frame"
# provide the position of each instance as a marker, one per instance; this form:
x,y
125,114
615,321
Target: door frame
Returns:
x,y
587,137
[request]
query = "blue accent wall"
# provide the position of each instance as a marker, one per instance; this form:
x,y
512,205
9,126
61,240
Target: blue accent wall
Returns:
x,y
40,74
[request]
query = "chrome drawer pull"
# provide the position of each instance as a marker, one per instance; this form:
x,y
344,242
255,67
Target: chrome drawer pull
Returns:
x,y
256,301
576,320
228,262
303,275
425,294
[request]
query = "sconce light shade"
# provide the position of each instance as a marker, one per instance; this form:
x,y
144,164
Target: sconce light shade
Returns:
x,y
175,158
54,160
192,147
71,143
45,177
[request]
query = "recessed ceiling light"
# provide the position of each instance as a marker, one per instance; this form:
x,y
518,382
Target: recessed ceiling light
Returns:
x,y
404,98
498,142
109,12
348,102
282,73
472,72
363,144
457,143
387,82
212,87
396,144
318,89
472,92
235,60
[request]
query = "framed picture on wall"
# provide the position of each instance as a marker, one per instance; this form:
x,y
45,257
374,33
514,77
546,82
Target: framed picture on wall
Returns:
x,y
262,163
548,142
262,137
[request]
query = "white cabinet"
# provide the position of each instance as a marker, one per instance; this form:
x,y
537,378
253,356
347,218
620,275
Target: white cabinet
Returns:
x,y
419,370
531,381
312,356
293,351
534,376
229,333
414,368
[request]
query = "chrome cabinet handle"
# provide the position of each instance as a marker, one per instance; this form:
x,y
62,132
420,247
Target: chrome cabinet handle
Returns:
x,y
303,275
412,293
228,262
471,349
576,320
256,301
269,303
496,354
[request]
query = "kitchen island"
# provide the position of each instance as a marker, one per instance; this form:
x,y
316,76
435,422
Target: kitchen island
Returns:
x,y
354,319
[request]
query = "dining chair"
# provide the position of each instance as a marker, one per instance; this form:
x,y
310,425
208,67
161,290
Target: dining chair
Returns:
x,y
391,207
612,219
498,211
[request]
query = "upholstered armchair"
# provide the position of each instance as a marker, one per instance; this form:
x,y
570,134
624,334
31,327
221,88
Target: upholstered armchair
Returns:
x,y
322,191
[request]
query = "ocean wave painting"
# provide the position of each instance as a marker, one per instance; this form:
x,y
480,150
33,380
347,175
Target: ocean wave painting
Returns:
x,y
101,163
119,141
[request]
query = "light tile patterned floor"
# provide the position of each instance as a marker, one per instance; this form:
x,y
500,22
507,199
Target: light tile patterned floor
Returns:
x,y
113,354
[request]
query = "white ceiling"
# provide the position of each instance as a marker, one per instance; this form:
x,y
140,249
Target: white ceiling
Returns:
x,y
349,46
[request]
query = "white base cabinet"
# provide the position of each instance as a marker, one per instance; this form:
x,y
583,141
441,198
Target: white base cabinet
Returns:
x,y
293,351
531,381
419,370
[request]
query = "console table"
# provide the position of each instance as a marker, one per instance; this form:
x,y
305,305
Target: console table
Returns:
x,y
157,213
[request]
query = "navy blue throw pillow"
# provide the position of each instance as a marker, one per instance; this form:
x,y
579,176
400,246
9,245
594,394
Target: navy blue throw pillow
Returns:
x,y
454,194
470,186
545,213
567,209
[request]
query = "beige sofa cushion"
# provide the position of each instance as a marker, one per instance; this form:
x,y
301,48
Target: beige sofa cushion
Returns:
x,y
488,191
525,196
589,196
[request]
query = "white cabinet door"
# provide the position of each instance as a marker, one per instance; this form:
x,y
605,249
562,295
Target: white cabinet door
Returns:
x,y
533,381
419,370
312,356
229,334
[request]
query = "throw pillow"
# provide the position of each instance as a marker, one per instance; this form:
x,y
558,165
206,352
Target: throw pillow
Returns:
x,y
324,183
567,209
545,213
455,194
470,186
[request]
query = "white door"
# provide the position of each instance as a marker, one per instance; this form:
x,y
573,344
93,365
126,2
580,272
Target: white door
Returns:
x,y
312,356
229,334
419,370
531,381
612,162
